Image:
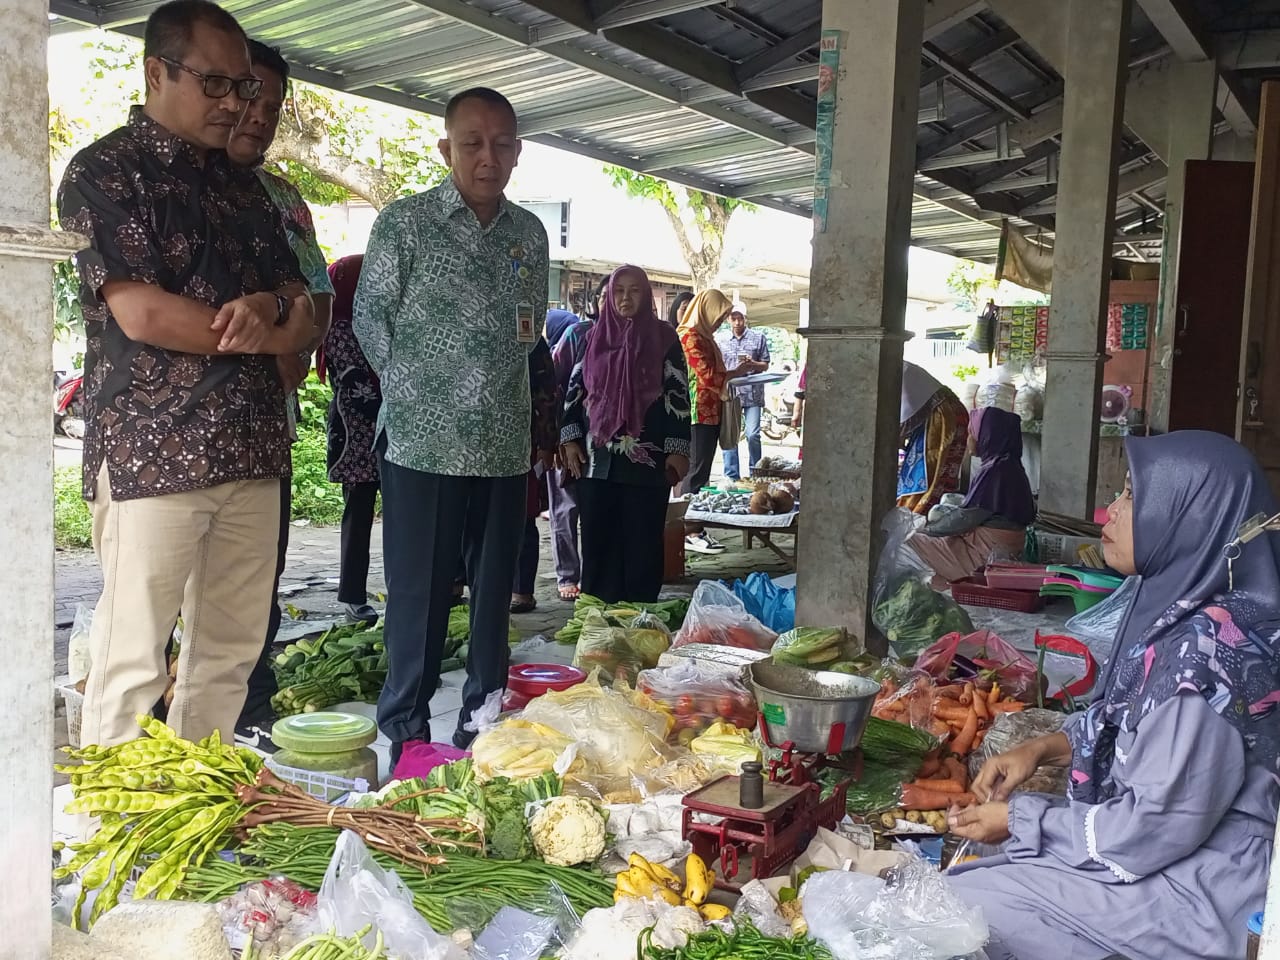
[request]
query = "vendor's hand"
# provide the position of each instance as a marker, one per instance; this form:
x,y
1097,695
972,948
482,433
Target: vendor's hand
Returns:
x,y
245,323
1004,772
573,458
677,467
548,459
984,823
293,369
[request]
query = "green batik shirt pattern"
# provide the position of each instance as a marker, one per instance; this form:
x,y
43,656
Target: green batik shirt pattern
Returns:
x,y
300,229
435,313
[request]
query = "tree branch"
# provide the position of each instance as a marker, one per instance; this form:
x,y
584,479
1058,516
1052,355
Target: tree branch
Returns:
x,y
309,145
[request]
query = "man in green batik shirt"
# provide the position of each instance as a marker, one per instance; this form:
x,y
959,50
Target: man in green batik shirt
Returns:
x,y
249,142
451,299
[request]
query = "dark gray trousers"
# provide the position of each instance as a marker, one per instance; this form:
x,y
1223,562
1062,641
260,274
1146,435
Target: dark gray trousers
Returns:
x,y
428,520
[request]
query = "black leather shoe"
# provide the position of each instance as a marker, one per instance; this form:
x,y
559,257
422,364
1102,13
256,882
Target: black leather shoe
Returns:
x,y
360,613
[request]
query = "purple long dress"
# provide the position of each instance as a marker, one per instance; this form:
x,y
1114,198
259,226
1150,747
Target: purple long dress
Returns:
x,y
1164,848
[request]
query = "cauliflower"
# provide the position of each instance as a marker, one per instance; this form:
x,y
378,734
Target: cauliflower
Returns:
x,y
568,831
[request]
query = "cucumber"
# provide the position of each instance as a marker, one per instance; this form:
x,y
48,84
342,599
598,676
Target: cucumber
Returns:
x,y
886,741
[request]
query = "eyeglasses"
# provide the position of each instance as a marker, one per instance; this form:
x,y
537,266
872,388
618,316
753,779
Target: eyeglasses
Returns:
x,y
217,86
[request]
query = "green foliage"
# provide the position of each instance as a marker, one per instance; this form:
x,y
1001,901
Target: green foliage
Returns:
x,y
313,188
72,522
314,497
964,371
68,318
645,187
972,283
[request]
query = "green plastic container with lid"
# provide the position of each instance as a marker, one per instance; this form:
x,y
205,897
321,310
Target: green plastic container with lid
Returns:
x,y
325,753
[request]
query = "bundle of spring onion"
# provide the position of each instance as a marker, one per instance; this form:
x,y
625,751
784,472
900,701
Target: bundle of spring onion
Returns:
x,y
481,886
330,946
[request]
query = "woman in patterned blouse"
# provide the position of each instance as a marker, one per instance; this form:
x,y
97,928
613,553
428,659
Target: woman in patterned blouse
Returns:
x,y
625,439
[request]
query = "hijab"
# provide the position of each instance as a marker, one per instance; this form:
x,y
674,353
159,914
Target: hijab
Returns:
x,y
623,362
1185,629
558,321
1000,484
700,318
918,388
344,274
676,311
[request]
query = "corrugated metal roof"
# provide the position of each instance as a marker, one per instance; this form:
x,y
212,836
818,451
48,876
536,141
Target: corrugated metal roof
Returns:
x,y
715,95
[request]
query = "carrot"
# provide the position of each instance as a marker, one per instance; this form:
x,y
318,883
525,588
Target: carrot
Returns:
x,y
956,770
948,712
939,786
951,691
964,740
967,697
929,767
1009,706
994,698
916,797
980,706
939,729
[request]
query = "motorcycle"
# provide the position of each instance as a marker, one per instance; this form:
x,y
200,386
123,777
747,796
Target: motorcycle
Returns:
x,y
68,403
777,419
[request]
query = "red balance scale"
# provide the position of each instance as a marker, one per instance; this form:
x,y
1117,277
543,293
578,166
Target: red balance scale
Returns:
x,y
771,835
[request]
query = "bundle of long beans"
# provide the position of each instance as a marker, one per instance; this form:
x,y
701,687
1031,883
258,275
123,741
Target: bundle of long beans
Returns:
x,y
398,832
303,853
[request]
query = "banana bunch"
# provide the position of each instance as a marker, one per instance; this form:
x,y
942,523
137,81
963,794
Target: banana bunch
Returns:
x,y
653,881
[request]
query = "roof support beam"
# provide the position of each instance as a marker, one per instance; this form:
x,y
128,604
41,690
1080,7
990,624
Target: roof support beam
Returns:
x,y
1247,50
971,82
641,11
790,48
772,188
706,154
532,124
983,124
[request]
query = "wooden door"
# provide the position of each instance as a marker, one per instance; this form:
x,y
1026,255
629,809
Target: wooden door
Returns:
x,y
1213,256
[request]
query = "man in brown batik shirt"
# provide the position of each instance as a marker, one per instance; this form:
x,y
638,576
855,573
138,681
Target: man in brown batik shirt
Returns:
x,y
190,292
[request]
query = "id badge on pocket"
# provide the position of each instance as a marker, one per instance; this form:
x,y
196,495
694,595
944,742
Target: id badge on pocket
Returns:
x,y
524,323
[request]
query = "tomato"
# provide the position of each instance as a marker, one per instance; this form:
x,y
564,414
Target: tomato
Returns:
x,y
684,705
727,706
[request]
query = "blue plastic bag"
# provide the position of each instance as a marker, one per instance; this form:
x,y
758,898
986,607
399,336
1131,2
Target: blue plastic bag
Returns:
x,y
772,605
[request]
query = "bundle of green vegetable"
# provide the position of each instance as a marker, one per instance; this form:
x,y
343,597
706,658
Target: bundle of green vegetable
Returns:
x,y
495,807
818,648
913,616
670,612
347,662
744,942
460,882
164,803
892,753
329,946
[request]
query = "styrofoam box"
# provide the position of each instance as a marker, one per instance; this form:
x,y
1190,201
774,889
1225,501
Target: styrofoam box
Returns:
x,y
731,661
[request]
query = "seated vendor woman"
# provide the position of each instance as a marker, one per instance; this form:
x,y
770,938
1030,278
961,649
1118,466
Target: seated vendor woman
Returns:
x,y
993,519
1162,849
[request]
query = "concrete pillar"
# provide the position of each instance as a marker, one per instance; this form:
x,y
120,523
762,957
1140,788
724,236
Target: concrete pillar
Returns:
x,y
1191,96
857,307
1093,103
27,250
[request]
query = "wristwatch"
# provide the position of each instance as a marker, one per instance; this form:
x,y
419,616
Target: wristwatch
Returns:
x,y
282,310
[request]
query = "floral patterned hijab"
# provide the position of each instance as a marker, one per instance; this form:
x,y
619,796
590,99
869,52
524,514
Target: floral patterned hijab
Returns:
x,y
1186,630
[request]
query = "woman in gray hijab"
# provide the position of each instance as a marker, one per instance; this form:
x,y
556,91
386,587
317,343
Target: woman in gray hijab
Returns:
x,y
1163,847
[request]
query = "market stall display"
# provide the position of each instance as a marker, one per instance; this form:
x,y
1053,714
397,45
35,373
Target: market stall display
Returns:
x,y
670,612
717,617
698,697
620,642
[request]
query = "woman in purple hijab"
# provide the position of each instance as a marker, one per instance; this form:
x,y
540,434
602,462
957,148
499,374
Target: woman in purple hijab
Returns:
x,y
993,519
625,440
1163,847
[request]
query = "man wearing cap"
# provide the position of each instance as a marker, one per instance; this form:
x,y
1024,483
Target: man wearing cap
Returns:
x,y
746,351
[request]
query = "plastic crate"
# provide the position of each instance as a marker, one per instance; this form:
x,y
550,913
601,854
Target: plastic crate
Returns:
x,y
73,703
976,593
1016,576
323,786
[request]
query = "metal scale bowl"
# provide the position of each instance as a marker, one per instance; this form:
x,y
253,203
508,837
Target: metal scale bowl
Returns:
x,y
816,719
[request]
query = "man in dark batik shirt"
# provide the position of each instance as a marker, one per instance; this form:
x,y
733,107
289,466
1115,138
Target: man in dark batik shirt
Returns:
x,y
190,292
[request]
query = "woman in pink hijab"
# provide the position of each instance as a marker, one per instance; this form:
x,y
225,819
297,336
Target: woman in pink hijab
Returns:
x,y
625,440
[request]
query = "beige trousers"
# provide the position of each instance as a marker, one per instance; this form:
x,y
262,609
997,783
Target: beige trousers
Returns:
x,y
216,547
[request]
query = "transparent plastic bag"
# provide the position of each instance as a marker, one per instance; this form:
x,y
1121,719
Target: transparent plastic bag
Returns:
x,y
78,645
759,907
617,731
909,700
816,648
521,749
620,652
357,892
913,915
535,928
1097,627
717,616
698,697
1011,730
905,608
276,914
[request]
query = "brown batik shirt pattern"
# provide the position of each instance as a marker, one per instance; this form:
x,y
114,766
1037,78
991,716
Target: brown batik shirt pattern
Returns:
x,y
165,421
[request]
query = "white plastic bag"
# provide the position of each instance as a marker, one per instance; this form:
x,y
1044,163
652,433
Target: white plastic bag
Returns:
x,y
357,892
78,659
912,916
1097,627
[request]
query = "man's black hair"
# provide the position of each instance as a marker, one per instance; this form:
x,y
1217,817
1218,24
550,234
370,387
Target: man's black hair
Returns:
x,y
262,55
486,94
170,26
592,307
